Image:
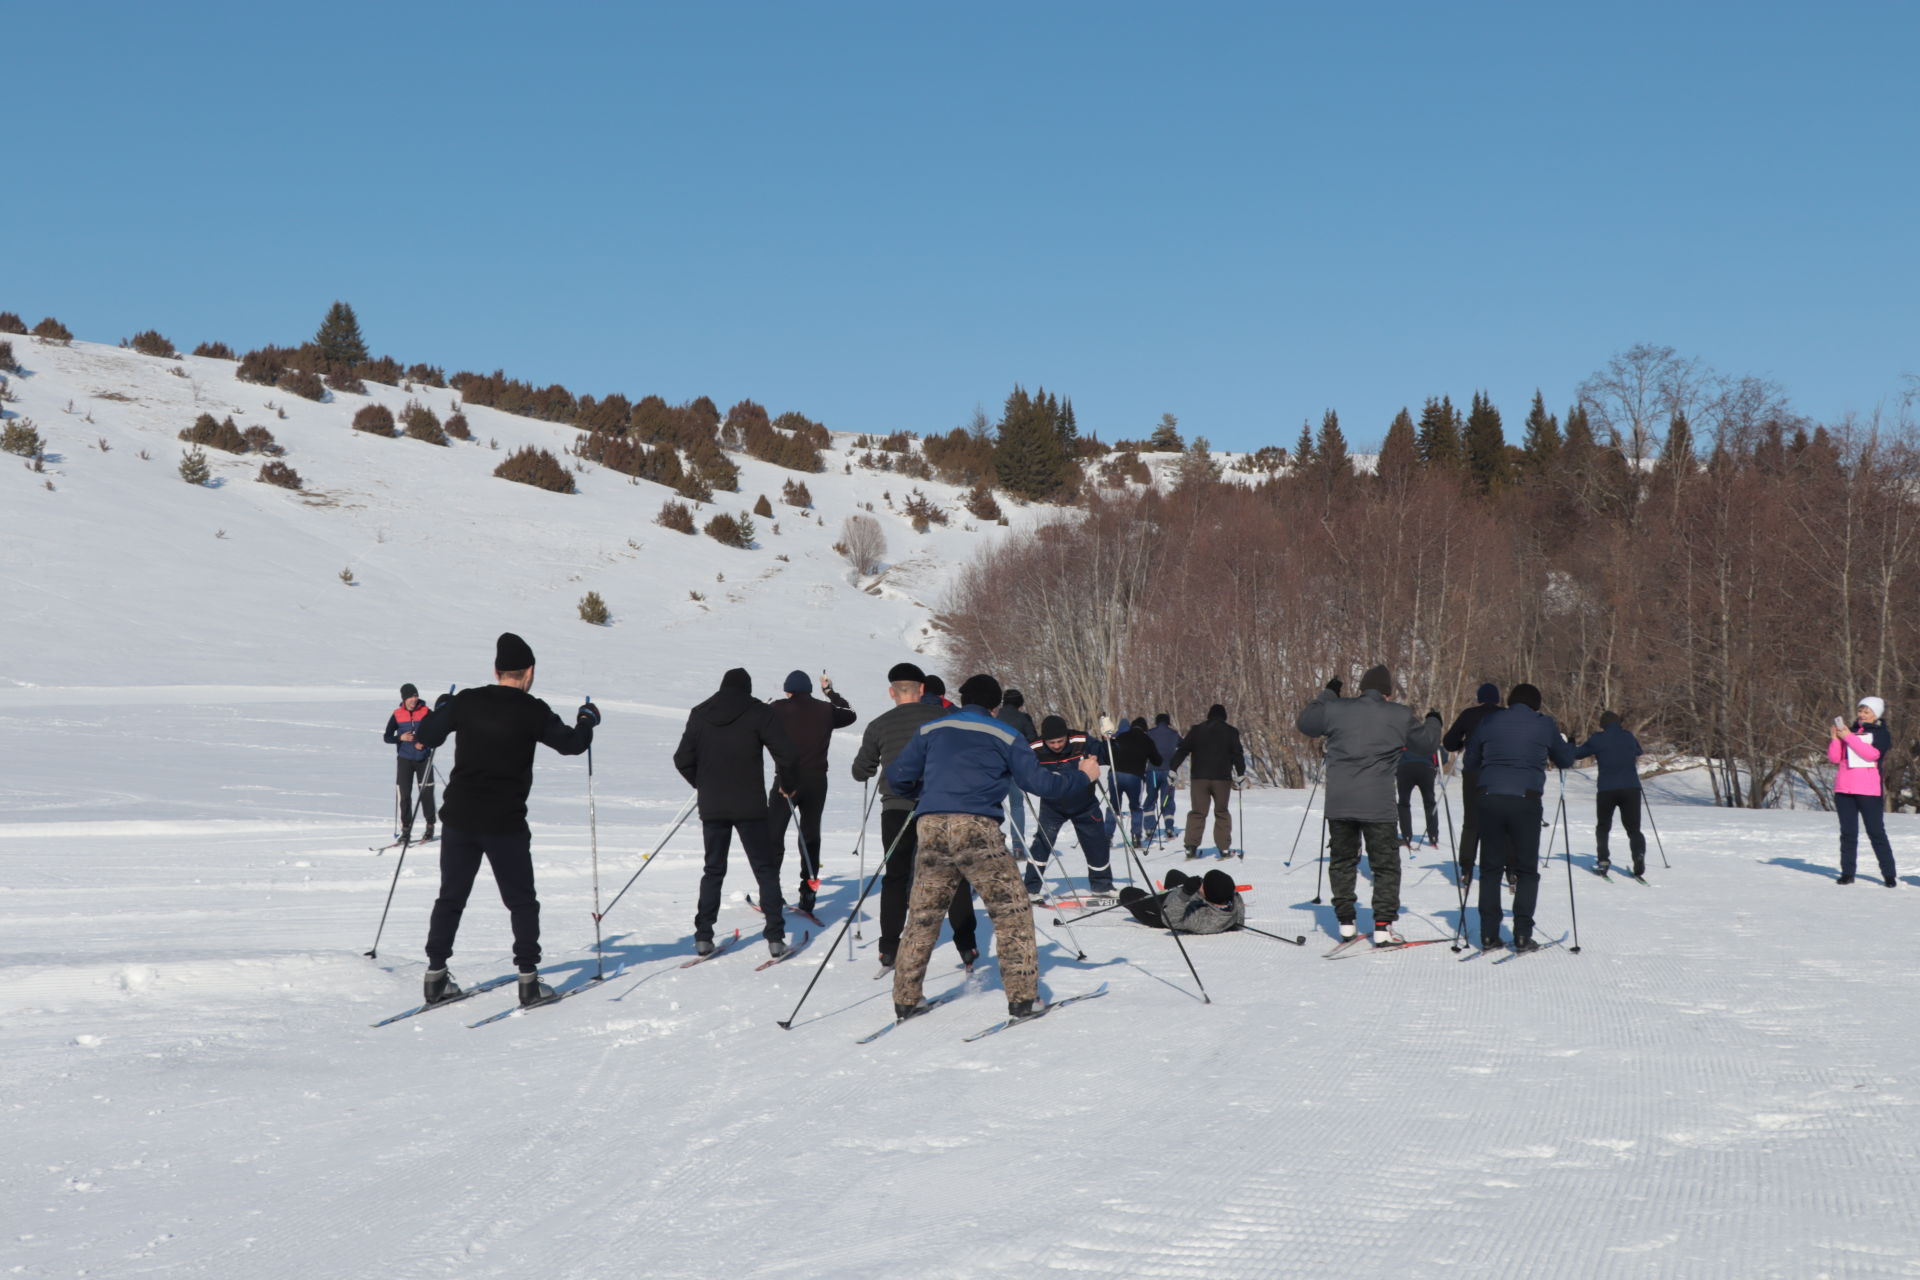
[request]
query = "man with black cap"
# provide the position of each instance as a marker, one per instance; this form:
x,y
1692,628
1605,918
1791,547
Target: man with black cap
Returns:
x,y
886,737
1486,700
1060,750
1617,752
720,755
809,723
1509,754
1366,737
1012,712
485,815
956,769
1213,746
1189,904
1160,797
413,762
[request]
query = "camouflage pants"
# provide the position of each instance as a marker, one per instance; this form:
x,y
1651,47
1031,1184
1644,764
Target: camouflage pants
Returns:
x,y
956,847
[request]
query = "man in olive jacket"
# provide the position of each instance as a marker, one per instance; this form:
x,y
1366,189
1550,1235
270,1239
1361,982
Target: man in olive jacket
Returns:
x,y
1365,736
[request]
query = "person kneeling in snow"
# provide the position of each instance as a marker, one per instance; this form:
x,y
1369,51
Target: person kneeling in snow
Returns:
x,y
1190,904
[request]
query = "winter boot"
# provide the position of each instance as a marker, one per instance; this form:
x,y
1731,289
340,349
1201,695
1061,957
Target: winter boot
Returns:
x,y
1603,866
969,956
1491,943
1891,881
703,946
806,900
1018,1009
901,1012
1523,945
427,838
886,959
1845,879
777,948
1639,868
532,990
439,987
1348,930
1384,936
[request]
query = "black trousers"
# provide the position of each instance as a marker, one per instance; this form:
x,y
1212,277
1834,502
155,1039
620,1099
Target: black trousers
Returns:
x,y
1854,812
1405,781
810,799
1469,821
762,857
896,887
405,774
1626,801
1509,842
510,854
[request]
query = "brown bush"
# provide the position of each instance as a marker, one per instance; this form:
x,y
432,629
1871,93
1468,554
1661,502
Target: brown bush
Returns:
x,y
731,531
262,366
8,362
763,507
347,380
261,440
303,384
20,437
374,419
151,342
383,369
1125,467
923,511
11,323
594,610
422,423
629,457
427,375
960,457
279,474
538,468
215,351
51,330
457,427
693,488
509,395
221,435
677,516
981,503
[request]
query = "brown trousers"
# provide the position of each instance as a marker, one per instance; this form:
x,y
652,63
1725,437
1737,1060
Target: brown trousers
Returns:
x,y
1215,793
956,847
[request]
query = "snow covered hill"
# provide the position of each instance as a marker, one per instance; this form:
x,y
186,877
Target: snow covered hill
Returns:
x,y
1722,1083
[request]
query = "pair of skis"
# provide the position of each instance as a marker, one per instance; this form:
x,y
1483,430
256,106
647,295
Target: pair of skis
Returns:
x,y
799,911
996,1028
1347,946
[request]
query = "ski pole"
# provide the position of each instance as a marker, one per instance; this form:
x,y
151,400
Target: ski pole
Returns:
x,y
1100,911
685,809
1572,912
593,840
1300,941
787,1024
868,792
1321,864
1241,790
1053,849
1301,829
1661,844
800,839
1459,872
373,952
1204,997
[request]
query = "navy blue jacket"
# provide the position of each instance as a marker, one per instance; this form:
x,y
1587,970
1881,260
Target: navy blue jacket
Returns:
x,y
961,763
1616,750
1167,738
1510,749
1067,760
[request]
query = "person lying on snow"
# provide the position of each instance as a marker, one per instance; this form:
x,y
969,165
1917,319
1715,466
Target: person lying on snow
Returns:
x,y
1190,904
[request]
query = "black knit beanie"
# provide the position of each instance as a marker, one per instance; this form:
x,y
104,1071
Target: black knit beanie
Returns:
x,y
1013,698
408,691
739,680
1163,718
935,685
1140,723
1053,727
510,653
1216,712
1378,679
1524,695
980,691
905,671
1218,888
1488,694
1608,719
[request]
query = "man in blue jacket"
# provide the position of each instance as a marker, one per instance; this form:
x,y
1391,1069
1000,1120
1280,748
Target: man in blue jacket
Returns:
x,y
1160,798
1616,750
957,770
1061,750
1508,756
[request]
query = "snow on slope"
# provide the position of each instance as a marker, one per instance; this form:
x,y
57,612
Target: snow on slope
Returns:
x,y
1722,1084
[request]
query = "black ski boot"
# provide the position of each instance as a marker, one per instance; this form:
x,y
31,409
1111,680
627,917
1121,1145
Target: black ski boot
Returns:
x,y
427,838
901,1012
968,957
777,948
1523,945
439,987
532,990
1846,879
703,946
1017,1009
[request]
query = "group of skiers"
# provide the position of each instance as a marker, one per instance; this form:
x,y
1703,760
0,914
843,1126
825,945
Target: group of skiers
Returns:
x,y
950,776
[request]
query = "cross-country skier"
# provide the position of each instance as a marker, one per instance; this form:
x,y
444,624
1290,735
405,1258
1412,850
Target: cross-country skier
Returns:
x,y
1366,736
1485,700
957,769
1857,794
1062,750
937,692
1616,750
1134,753
413,763
485,814
1013,714
1213,746
1416,771
1509,753
1160,798
886,737
1190,904
720,755
809,723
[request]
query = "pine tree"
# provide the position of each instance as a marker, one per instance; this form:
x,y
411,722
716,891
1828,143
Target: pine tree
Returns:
x,y
1166,436
1439,433
1031,458
1303,449
1486,445
1399,452
1331,447
1196,466
339,338
1543,437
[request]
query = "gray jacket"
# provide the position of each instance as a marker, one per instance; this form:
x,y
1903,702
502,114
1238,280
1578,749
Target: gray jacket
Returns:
x,y
1187,911
1365,736
886,737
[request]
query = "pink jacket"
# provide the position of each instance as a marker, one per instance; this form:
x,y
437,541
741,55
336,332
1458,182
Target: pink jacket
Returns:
x,y
1859,762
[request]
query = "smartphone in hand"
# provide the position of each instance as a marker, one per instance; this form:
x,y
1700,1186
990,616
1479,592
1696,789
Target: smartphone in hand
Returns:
x,y
1841,725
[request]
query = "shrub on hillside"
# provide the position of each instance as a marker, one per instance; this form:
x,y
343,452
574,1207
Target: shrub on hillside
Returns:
x,y
981,503
536,467
346,380
215,351
960,456
456,426
303,384
693,488
8,362
194,467
382,369
427,375
51,330
261,440
863,542
280,475
221,435
11,323
731,531
677,516
796,494
151,342
20,437
923,511
422,423
763,508
593,609
261,366
375,420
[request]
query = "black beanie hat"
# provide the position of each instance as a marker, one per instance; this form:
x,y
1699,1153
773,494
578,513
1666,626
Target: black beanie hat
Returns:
x,y
737,679
1608,719
1488,694
1163,718
1013,698
408,691
1523,695
980,691
905,671
1140,723
1379,679
510,653
797,682
1216,712
1218,888
935,685
1053,727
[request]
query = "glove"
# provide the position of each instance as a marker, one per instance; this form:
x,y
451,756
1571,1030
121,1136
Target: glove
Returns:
x,y
1334,684
587,715
1432,714
442,701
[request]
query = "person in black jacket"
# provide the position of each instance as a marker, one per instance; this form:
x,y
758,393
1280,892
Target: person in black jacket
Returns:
x,y
1160,797
1509,753
1133,754
1013,714
719,754
1485,700
1617,790
886,737
485,814
1213,746
809,723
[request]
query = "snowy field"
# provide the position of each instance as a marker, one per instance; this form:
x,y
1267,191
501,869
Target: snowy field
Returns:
x,y
1723,1083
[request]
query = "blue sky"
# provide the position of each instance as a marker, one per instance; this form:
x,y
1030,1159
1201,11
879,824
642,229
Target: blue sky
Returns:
x,y
883,215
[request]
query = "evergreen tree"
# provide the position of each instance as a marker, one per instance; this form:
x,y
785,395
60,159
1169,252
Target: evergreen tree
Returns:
x,y
1543,437
1676,455
1486,445
1331,448
1166,436
1399,452
1579,443
339,338
1031,458
1439,433
1303,449
1196,466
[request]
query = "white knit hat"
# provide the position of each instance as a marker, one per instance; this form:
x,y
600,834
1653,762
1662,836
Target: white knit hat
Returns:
x,y
1876,705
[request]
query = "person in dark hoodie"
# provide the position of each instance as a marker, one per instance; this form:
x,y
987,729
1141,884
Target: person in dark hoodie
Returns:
x,y
1013,714
1061,750
1133,752
809,724
886,737
1189,904
1508,755
1366,737
720,755
956,770
1160,798
1213,746
485,814
1485,701
413,762
1618,791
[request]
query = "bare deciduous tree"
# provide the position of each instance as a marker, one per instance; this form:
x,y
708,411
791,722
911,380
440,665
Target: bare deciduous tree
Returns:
x,y
864,543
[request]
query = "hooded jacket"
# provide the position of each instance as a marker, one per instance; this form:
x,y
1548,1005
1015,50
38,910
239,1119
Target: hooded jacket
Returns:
x,y
720,752
1616,750
1365,738
964,761
1214,747
1510,750
810,723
